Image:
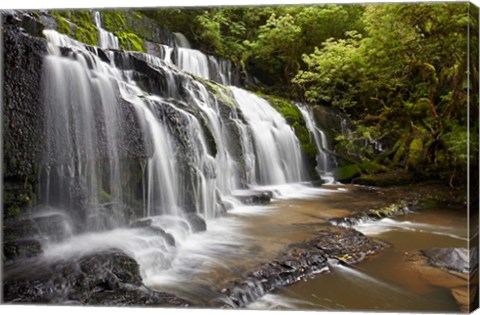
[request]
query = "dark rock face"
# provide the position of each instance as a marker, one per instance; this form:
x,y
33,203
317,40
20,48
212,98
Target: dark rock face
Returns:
x,y
106,278
21,249
52,227
23,59
456,259
300,261
22,113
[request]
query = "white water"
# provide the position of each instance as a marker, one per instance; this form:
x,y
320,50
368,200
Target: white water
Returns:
x,y
323,158
83,96
106,40
200,64
278,149
386,225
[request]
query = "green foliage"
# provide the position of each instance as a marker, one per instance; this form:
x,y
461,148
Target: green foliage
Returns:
x,y
334,72
402,80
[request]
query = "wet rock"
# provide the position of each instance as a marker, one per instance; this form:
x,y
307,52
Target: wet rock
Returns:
x,y
160,232
251,197
456,259
299,261
371,215
105,278
21,249
52,227
147,225
197,224
142,223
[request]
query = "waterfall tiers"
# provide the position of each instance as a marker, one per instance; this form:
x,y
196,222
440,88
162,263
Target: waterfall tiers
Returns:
x,y
129,135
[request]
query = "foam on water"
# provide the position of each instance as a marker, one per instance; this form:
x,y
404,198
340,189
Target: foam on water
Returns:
x,y
387,225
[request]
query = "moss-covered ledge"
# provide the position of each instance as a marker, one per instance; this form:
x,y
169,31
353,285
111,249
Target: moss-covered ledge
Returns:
x,y
77,24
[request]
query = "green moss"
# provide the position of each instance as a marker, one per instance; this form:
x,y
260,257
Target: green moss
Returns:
x,y
371,167
113,20
390,178
86,36
104,196
348,172
294,118
289,111
415,153
130,41
77,24
305,141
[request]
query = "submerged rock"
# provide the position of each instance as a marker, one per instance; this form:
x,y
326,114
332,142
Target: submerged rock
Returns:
x,y
299,261
147,225
105,278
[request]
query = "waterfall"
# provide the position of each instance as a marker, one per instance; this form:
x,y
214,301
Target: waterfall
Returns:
x,y
194,61
278,149
198,144
74,129
323,157
106,40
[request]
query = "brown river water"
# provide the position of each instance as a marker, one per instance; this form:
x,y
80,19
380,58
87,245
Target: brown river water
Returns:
x,y
249,236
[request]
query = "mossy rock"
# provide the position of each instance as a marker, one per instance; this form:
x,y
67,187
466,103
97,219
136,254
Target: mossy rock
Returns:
x,y
104,196
347,173
130,41
77,24
371,167
386,179
415,153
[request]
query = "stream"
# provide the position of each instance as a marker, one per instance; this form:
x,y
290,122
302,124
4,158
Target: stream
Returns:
x,y
248,236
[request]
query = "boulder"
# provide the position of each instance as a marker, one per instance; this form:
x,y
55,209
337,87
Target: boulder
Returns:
x,y
196,223
456,259
104,278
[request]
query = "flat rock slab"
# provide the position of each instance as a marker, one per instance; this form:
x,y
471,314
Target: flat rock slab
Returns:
x,y
371,215
299,261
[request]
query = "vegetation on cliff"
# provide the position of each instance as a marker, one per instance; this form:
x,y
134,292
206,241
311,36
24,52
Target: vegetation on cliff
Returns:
x,y
398,71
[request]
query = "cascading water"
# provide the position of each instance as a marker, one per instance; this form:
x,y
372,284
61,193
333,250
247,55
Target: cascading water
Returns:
x,y
106,40
74,137
197,63
200,147
278,149
323,157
